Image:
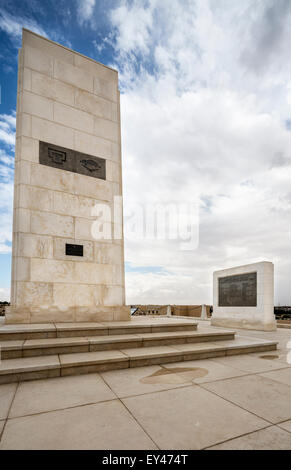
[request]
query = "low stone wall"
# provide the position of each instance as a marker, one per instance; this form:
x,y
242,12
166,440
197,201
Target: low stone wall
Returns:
x,y
179,310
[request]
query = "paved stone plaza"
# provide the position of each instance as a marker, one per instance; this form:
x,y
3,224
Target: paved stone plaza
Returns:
x,y
237,402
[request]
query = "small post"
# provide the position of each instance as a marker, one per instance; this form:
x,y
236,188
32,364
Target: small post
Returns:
x,y
203,312
169,311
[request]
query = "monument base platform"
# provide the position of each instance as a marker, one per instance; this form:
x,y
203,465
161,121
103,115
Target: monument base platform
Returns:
x,y
244,324
76,314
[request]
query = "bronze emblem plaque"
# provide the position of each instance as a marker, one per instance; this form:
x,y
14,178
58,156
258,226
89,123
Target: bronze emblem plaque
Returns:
x,y
70,160
238,291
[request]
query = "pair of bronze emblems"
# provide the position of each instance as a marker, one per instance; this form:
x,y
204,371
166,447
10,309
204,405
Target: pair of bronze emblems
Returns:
x,y
71,160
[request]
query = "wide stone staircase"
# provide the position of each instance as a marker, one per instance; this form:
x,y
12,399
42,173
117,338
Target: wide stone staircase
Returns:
x,y
33,351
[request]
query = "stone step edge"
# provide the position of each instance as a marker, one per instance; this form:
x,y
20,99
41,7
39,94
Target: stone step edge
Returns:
x,y
50,371
16,351
61,332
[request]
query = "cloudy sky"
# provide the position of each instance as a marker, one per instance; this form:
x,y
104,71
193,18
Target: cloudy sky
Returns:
x,y
206,95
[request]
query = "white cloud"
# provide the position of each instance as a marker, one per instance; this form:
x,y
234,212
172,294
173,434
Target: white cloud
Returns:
x,y
7,137
85,10
7,129
4,294
133,25
199,115
13,25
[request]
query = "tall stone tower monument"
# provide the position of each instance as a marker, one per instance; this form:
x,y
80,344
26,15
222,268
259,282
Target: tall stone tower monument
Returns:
x,y
67,160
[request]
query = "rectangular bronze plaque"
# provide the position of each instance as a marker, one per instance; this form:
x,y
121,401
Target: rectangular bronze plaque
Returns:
x,y
238,291
71,160
74,250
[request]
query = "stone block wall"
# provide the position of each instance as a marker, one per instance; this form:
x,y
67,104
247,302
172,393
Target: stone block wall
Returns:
x,y
67,100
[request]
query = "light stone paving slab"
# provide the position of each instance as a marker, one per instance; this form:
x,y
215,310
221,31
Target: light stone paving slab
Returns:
x,y
272,438
279,356
283,376
63,392
7,393
286,425
100,426
187,418
2,423
251,364
129,382
215,371
264,397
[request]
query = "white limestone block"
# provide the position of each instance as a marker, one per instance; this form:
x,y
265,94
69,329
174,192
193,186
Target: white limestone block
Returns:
x,y
59,249
46,270
106,89
88,295
35,59
113,295
92,145
35,198
113,172
93,188
21,269
29,149
73,75
106,129
71,204
96,68
51,132
49,48
22,220
118,274
23,125
34,293
114,112
26,83
73,118
259,317
52,178
51,88
22,172
86,229
115,152
91,273
34,246
37,105
107,253
48,223
64,295
93,104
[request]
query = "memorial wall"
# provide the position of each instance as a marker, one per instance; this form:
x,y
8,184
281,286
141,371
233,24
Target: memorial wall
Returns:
x,y
243,297
67,160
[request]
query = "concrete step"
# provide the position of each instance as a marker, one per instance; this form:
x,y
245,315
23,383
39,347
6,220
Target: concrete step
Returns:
x,y
284,325
29,368
66,330
49,346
